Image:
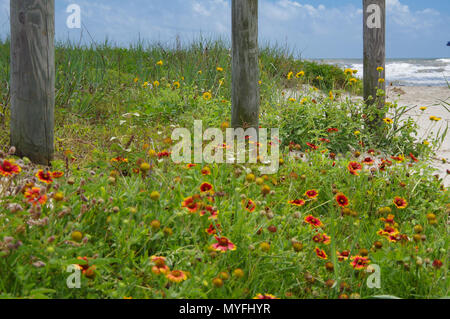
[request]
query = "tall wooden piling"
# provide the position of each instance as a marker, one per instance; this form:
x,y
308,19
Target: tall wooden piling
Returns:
x,y
245,65
374,50
33,78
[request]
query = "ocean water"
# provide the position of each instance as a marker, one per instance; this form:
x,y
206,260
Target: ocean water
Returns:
x,y
405,72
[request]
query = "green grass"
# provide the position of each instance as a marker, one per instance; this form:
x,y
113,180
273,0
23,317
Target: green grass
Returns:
x,y
102,113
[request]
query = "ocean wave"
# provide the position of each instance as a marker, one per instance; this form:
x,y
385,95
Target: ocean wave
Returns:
x,y
419,73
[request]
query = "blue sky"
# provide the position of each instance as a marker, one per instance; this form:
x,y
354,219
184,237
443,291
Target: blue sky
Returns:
x,y
316,28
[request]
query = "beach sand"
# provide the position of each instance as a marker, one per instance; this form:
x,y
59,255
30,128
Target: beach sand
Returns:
x,y
431,97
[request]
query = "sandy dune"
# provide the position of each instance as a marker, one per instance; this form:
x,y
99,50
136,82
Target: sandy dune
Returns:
x,y
430,97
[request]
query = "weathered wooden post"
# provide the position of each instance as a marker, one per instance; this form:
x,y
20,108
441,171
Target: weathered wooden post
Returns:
x,y
374,50
33,78
245,65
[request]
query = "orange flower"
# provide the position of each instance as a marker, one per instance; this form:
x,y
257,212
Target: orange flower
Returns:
x,y
190,165
45,177
249,205
359,262
34,196
223,244
8,168
176,276
312,193
401,203
342,200
321,253
314,222
297,202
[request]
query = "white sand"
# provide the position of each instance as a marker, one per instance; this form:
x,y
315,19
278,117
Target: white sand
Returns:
x,y
430,97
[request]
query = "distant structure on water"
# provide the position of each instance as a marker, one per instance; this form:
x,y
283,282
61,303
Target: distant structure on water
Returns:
x,y
448,43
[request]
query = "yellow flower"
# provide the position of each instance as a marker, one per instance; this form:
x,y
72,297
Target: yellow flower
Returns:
x,y
380,69
145,84
348,71
435,118
200,72
423,108
357,132
176,84
292,99
156,83
300,74
259,82
207,96
135,80
352,81
426,143
160,62
355,71
290,75
219,69
304,100
381,80
331,95
388,120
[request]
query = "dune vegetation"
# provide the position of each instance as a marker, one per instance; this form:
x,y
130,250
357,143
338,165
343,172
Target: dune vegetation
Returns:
x,y
354,211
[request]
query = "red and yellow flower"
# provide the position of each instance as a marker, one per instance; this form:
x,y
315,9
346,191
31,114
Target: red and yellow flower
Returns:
x,y
119,159
265,296
212,229
312,193
343,255
44,176
354,167
191,204
160,266
223,244
313,221
210,211
8,168
359,262
320,253
297,202
206,170
249,205
401,203
206,188
368,161
34,196
176,276
342,200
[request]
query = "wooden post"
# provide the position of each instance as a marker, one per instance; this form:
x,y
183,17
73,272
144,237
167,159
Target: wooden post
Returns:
x,y
33,78
374,49
245,64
